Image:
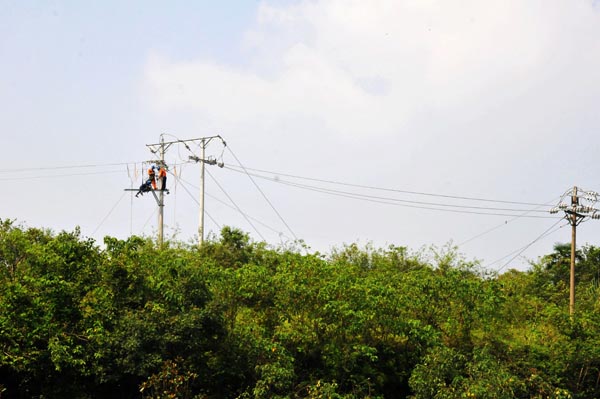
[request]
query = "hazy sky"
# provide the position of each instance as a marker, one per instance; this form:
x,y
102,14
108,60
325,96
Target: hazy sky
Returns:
x,y
496,100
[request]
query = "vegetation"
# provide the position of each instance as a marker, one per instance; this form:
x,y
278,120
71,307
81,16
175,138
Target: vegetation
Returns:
x,y
238,319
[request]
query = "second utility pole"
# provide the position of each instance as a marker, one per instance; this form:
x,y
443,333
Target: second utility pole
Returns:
x,y
201,199
204,141
573,222
576,213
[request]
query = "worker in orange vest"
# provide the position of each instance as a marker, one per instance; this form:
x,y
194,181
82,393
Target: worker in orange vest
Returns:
x,y
162,175
152,176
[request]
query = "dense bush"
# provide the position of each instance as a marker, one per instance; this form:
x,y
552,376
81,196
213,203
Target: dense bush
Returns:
x,y
238,319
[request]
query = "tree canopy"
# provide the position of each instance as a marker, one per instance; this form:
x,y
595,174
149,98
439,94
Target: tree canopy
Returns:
x,y
240,319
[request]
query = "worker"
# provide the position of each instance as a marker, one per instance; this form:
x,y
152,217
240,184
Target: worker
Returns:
x,y
162,175
152,176
144,188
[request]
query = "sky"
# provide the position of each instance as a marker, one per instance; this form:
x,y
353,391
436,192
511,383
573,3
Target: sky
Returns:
x,y
495,100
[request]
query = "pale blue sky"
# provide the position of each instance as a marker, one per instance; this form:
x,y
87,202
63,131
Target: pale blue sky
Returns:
x,y
468,98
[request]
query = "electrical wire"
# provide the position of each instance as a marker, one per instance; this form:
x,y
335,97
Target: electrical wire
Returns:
x,y
109,212
280,233
176,178
196,201
18,170
388,189
55,176
51,168
519,251
237,207
399,202
149,218
497,227
323,189
263,194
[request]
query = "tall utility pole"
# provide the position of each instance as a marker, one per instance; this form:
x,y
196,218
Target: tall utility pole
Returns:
x,y
201,198
575,214
161,148
573,222
203,160
161,194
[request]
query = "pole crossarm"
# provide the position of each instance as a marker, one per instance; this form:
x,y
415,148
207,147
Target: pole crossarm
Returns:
x,y
208,161
582,207
169,143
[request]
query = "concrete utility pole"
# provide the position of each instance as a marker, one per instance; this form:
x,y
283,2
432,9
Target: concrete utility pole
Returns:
x,y
201,199
161,194
161,148
575,214
210,161
573,221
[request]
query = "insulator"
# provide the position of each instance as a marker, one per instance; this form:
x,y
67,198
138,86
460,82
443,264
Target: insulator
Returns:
x,y
562,206
554,210
595,215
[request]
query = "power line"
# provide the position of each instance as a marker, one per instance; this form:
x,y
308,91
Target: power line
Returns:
x,y
263,194
299,185
149,218
390,189
109,213
18,170
196,201
51,168
400,202
495,228
237,210
55,176
237,207
519,251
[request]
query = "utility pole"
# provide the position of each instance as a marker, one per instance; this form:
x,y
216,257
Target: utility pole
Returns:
x,y
202,160
161,194
575,214
160,148
201,199
573,221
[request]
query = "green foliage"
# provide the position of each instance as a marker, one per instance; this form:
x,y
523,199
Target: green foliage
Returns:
x,y
168,383
240,319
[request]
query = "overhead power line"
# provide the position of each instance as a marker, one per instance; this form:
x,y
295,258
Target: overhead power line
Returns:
x,y
195,200
495,227
519,251
56,176
274,230
234,204
68,167
478,210
16,170
109,213
389,189
263,194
